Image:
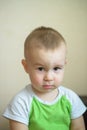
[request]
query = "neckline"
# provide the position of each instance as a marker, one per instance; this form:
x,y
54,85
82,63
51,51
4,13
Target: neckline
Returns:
x,y
46,102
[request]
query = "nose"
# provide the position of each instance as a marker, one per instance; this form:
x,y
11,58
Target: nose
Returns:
x,y
48,76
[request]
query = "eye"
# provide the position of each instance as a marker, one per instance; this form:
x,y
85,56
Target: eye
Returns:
x,y
40,68
56,68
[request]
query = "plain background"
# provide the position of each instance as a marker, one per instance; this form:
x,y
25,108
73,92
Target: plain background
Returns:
x,y
17,19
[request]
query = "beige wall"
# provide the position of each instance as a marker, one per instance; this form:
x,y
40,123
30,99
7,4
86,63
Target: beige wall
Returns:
x,y
17,19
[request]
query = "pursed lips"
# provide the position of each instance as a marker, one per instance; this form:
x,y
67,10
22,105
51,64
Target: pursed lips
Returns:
x,y
48,86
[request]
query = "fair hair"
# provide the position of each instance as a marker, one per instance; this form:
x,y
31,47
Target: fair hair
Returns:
x,y
43,37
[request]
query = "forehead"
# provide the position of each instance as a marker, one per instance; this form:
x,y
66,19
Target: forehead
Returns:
x,y
43,56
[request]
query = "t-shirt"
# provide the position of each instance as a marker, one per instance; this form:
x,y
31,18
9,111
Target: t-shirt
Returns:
x,y
37,114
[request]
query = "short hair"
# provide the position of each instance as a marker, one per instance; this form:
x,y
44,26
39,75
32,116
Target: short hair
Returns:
x,y
46,37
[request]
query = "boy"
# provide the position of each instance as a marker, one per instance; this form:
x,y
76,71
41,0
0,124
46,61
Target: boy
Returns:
x,y
45,104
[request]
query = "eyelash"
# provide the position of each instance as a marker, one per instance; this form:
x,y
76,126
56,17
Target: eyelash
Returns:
x,y
55,68
40,68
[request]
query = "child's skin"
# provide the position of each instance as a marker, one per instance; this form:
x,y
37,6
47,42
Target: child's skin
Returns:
x,y
45,68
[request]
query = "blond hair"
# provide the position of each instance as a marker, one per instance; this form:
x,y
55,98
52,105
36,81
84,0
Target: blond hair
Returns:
x,y
45,37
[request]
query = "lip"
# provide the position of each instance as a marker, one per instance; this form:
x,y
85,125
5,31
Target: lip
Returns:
x,y
48,86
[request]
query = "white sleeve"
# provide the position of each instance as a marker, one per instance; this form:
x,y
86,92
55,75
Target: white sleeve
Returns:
x,y
18,110
78,108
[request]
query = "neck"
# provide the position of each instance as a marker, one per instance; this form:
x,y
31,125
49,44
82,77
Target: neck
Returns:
x,y
49,96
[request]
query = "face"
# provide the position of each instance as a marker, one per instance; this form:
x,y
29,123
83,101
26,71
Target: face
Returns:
x,y
45,68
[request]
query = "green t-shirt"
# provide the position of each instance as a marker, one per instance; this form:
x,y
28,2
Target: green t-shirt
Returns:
x,y
50,117
30,110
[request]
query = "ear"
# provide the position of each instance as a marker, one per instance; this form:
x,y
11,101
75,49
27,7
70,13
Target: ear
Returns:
x,y
24,63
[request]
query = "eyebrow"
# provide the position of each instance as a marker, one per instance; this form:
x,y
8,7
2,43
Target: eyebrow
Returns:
x,y
43,65
38,64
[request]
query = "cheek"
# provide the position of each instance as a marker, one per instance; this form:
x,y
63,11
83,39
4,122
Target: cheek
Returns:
x,y
36,79
59,78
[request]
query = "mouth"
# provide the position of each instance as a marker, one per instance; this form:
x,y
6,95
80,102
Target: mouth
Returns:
x,y
48,86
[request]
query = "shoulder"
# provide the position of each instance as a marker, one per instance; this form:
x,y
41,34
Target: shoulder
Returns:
x,y
23,94
78,108
19,107
67,92
70,95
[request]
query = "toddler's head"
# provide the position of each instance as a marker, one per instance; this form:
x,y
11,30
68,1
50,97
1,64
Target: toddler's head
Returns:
x,y
43,37
45,58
